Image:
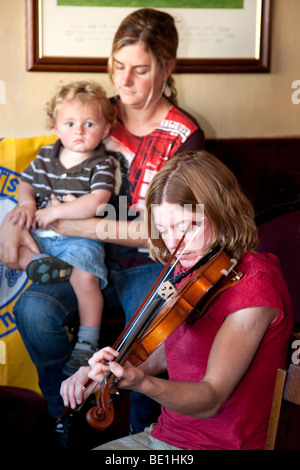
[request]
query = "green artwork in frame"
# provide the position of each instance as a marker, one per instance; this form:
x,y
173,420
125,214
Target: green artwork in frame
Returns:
x,y
154,3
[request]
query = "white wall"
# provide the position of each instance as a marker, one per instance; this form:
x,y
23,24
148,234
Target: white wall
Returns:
x,y
226,105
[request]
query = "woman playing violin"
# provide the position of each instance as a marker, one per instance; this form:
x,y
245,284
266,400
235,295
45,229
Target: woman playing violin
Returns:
x,y
222,366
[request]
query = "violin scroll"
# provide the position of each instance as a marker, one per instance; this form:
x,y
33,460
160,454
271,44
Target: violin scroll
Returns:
x,y
102,415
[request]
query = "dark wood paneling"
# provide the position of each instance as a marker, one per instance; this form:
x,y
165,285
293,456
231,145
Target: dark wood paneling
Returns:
x,y
268,169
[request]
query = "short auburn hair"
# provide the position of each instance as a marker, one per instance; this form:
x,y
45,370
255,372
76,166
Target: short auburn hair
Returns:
x,y
201,178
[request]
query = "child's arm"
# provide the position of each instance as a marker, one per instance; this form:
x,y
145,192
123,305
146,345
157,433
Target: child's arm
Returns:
x,y
23,214
81,208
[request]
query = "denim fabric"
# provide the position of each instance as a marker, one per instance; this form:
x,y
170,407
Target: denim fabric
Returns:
x,y
43,311
83,253
131,285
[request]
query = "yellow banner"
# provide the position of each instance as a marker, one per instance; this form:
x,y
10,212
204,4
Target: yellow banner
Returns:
x,y
16,367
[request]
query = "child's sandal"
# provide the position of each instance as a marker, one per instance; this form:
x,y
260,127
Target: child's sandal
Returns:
x,y
45,269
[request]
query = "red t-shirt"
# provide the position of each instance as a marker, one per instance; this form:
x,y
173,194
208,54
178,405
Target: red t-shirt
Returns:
x,y
140,158
143,156
241,423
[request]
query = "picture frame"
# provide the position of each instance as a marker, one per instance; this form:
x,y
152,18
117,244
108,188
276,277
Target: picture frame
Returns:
x,y
72,41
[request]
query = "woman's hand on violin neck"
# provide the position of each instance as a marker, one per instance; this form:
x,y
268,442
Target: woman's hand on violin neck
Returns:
x,y
103,361
100,363
75,389
129,377
102,358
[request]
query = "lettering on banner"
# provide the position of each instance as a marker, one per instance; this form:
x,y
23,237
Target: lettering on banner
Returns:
x,y
12,282
9,181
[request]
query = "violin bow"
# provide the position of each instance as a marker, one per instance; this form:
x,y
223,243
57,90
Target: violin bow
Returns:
x,y
148,299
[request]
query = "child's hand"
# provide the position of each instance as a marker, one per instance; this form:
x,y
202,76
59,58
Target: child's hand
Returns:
x,y
69,198
44,217
53,212
54,201
23,216
66,198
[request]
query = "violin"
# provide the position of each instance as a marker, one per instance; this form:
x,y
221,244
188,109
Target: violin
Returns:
x,y
152,324
145,333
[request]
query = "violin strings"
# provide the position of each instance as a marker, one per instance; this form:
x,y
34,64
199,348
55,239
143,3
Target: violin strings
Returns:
x,y
144,315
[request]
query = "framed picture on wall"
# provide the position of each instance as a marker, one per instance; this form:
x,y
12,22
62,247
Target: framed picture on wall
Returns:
x,y
214,35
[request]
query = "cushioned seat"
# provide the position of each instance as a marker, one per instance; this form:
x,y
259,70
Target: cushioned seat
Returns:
x,y
279,233
23,418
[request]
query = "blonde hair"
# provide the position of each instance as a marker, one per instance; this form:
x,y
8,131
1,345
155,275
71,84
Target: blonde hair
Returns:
x,y
201,178
156,31
85,92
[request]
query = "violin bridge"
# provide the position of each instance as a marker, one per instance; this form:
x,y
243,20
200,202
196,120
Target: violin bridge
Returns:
x,y
237,276
165,290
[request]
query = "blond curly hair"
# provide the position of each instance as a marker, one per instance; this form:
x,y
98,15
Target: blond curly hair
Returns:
x,y
85,92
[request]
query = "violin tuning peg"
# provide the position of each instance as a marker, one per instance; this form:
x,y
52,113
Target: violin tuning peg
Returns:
x,y
114,397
